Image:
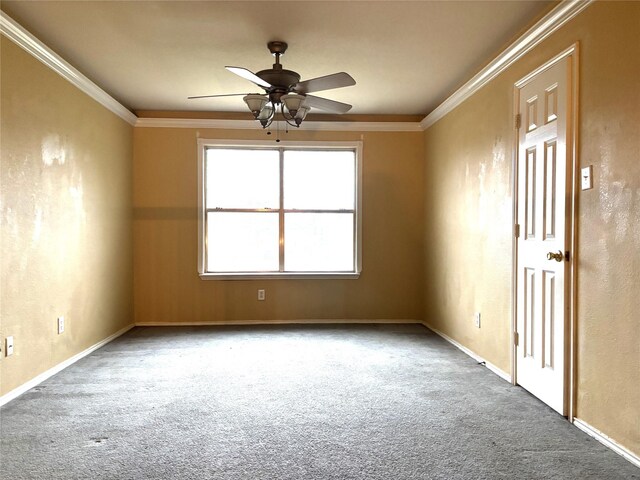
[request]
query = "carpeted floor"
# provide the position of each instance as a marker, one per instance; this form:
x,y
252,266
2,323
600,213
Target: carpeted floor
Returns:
x,y
290,402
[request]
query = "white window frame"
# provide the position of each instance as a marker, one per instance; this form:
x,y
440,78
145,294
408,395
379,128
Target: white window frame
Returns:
x,y
203,144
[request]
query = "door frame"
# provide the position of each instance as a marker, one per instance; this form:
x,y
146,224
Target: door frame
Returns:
x,y
571,221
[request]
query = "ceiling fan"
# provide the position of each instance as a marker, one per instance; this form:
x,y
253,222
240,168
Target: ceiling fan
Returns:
x,y
284,90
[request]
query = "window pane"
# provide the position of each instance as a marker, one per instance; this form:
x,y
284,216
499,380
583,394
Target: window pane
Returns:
x,y
242,242
239,178
318,242
319,180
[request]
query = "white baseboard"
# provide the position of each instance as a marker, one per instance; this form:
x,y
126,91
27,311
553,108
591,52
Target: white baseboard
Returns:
x,y
501,373
607,441
276,322
582,425
7,397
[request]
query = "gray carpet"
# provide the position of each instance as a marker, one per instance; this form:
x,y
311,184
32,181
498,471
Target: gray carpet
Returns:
x,y
290,402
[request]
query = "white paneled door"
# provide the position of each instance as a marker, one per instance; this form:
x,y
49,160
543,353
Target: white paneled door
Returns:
x,y
542,234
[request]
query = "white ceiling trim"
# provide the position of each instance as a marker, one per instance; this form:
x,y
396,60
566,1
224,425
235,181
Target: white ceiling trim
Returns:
x,y
21,37
548,24
15,32
195,123
253,125
564,12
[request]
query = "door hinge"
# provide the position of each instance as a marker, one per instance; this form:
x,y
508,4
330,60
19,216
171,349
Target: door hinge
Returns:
x,y
518,121
516,339
516,230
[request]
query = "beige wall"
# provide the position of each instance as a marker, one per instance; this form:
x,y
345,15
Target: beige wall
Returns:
x,y
468,217
66,218
437,234
167,285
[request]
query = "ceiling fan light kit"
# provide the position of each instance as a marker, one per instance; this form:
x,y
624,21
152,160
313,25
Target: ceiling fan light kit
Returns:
x,y
265,114
255,102
284,92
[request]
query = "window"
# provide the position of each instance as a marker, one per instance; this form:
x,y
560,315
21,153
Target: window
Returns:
x,y
289,210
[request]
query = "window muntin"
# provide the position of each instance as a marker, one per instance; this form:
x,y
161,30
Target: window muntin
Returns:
x,y
312,230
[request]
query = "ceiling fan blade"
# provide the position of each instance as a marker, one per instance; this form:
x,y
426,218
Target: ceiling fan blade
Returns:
x,y
325,104
223,95
336,80
249,75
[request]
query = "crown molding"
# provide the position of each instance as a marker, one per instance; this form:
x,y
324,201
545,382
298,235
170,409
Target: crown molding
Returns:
x,y
548,24
195,123
21,37
557,17
253,125
16,33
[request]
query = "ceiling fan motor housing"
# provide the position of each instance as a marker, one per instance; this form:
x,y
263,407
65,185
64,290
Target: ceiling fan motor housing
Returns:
x,y
281,79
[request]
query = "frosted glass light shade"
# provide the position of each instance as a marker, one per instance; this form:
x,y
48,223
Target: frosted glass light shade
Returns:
x,y
265,113
292,101
302,113
255,102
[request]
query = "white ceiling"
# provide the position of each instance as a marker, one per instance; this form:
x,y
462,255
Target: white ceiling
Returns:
x,y
406,56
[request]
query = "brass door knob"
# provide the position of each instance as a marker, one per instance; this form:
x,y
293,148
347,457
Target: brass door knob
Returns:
x,y
558,257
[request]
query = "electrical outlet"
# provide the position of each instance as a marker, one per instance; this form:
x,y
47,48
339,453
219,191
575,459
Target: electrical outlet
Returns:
x,y
60,325
476,319
9,346
261,294
586,177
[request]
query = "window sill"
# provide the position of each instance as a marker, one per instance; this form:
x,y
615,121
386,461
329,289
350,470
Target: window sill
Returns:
x,y
281,276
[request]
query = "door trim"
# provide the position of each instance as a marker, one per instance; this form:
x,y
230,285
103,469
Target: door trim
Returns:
x,y
572,224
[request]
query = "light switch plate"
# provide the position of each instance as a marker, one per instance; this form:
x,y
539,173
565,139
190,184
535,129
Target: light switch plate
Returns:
x,y
586,177
9,346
